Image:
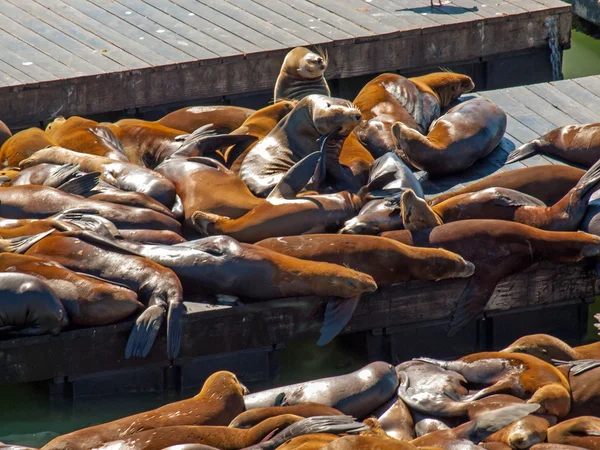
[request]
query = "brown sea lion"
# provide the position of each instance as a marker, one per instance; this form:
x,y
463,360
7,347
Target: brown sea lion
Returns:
x,y
24,144
368,442
466,133
395,419
301,74
295,137
29,306
585,389
357,158
383,259
309,442
219,401
5,133
547,446
86,136
222,118
517,374
523,433
444,86
123,175
548,183
258,124
162,237
547,348
253,417
497,248
52,175
356,394
579,144
157,286
580,432
40,202
88,301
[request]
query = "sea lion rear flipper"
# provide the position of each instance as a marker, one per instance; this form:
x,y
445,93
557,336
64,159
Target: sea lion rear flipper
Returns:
x,y
21,244
296,178
489,422
82,185
93,223
61,175
470,304
109,139
144,331
174,328
318,424
524,151
338,313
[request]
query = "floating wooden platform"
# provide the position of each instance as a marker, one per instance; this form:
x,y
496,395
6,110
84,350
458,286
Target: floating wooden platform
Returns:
x,y
246,338
587,9
83,57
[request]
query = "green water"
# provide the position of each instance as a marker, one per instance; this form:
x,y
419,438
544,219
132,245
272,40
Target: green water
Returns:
x,y
27,418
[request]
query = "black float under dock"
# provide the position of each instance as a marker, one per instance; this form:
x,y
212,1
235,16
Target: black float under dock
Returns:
x,y
549,297
85,57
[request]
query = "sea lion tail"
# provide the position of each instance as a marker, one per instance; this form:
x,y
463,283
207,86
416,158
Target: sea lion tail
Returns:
x,y
174,328
61,175
523,152
490,422
82,185
21,244
338,313
144,332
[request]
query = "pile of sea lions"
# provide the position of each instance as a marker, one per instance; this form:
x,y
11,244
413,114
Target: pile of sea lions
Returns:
x,y
537,393
309,196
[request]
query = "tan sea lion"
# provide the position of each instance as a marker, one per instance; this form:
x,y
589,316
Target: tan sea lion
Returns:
x,y
579,144
523,433
301,74
5,133
223,118
581,431
466,133
24,144
253,417
547,348
219,401
497,248
445,86
396,420
86,136
309,442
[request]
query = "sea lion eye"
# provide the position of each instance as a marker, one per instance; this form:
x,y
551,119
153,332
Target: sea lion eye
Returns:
x,y
328,105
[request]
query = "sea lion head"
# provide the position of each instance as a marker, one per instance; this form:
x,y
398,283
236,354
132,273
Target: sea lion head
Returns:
x,y
60,120
542,346
221,384
448,86
416,213
375,217
333,115
302,63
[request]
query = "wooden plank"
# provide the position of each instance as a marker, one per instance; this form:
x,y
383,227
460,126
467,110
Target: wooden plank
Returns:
x,y
11,65
591,83
501,7
385,13
407,16
529,5
123,41
482,11
542,107
577,93
552,3
102,46
6,79
437,14
577,112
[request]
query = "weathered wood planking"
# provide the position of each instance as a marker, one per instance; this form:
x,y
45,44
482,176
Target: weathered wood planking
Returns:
x,y
56,56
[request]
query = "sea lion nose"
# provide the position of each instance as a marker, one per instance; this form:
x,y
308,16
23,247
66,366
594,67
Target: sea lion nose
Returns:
x,y
358,116
319,60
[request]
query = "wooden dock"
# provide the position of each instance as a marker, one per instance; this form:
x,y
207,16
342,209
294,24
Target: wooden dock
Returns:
x,y
587,9
84,57
548,297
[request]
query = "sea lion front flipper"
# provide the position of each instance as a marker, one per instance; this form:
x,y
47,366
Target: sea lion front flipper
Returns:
x,y
296,178
338,313
318,178
174,328
280,400
82,185
61,175
144,332
489,422
470,304
109,139
21,244
524,151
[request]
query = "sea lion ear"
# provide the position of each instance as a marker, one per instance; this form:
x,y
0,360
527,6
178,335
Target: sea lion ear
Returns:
x,y
296,178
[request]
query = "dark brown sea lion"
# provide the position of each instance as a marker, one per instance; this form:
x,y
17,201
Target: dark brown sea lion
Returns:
x,y
29,306
580,432
579,144
86,136
223,118
356,394
395,419
253,417
258,124
162,237
444,86
466,133
301,74
547,348
157,286
547,183
123,175
505,204
219,401
5,133
383,259
40,202
585,388
295,137
24,144
517,374
88,301
497,248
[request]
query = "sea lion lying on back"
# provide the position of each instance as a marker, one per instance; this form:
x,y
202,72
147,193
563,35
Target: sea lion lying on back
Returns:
x,y
301,74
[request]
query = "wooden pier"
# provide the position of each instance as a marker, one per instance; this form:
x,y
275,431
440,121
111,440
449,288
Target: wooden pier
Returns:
x,y
84,57
549,297
587,9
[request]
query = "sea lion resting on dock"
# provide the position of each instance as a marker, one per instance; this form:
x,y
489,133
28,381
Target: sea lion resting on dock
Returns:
x,y
395,419
581,432
253,417
24,144
547,348
301,75
222,118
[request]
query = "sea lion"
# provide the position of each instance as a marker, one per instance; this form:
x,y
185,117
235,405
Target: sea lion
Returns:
x,y
308,442
301,75
579,144
5,133
29,306
523,433
580,432
88,301
497,248
591,219
219,401
357,158
52,175
383,259
259,124
505,204
40,202
367,443
466,133
123,175
548,183
395,419
517,374
295,137
547,446
86,136
547,348
157,286
222,118
585,389
24,144
356,394
162,237
248,419
445,86
427,424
